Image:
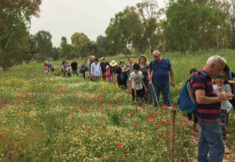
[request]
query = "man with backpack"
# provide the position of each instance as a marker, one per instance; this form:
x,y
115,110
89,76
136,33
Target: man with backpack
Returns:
x,y
208,110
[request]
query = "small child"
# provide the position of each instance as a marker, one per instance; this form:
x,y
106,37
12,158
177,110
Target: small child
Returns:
x,y
226,106
108,74
46,67
190,116
69,70
136,83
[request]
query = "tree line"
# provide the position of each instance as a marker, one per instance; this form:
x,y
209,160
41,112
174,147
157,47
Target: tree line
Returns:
x,y
182,25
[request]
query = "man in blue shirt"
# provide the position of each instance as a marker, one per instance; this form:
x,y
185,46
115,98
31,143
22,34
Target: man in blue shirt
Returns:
x,y
158,74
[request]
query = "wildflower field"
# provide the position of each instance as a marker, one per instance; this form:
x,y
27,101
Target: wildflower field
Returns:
x,y
51,118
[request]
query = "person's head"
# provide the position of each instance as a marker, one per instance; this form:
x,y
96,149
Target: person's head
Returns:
x,y
130,60
122,63
215,65
219,80
157,55
192,72
74,60
85,61
102,59
92,58
107,67
143,60
46,62
136,68
96,60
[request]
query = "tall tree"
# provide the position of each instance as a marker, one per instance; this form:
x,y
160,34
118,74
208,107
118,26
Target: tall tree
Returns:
x,y
14,23
44,43
66,49
79,41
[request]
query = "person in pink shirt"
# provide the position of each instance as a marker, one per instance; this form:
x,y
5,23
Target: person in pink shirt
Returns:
x,y
108,74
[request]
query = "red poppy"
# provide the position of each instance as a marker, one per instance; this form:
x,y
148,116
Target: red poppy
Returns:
x,y
158,126
131,113
119,144
162,122
152,113
89,128
162,132
164,106
103,126
126,152
135,125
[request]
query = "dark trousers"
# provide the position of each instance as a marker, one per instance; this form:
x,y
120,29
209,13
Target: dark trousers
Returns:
x,y
165,90
139,95
75,71
223,122
192,116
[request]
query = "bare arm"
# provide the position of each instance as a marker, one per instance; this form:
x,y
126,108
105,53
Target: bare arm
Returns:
x,y
172,76
150,76
203,99
145,88
130,86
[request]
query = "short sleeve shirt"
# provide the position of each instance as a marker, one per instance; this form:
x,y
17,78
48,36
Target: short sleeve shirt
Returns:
x,y
205,112
131,69
136,80
160,72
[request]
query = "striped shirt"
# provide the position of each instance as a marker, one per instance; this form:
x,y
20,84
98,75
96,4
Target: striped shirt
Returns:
x,y
205,112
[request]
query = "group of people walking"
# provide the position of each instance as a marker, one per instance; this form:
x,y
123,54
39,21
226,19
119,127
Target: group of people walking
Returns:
x,y
212,88
144,81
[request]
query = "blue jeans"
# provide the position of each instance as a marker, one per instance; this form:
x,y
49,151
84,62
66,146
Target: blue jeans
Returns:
x,y
165,90
75,71
211,142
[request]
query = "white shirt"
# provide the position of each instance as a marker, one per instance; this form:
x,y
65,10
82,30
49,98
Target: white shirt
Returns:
x,y
95,69
225,105
136,80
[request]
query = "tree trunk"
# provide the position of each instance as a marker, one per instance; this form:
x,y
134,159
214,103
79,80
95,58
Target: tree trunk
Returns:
x,y
4,67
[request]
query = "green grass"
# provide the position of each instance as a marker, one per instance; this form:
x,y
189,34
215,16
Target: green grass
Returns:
x,y
51,118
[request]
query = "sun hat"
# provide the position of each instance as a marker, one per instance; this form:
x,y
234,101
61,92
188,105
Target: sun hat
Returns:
x,y
113,63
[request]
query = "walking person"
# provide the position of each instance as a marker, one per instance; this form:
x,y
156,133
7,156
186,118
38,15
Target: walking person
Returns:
x,y
210,146
190,116
84,69
64,67
96,73
74,66
46,67
158,74
113,70
136,84
144,69
108,74
91,61
129,69
230,79
103,65
226,106
122,75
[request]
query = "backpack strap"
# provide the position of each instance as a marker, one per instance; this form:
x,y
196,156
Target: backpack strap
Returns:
x,y
230,75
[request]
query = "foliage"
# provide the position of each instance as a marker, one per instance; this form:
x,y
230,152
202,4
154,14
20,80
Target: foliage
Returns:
x,y
14,37
43,39
79,43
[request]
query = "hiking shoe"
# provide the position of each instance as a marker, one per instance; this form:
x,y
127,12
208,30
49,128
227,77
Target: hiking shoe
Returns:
x,y
226,150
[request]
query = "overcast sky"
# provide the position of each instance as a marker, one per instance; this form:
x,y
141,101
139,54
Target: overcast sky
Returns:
x,y
65,17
